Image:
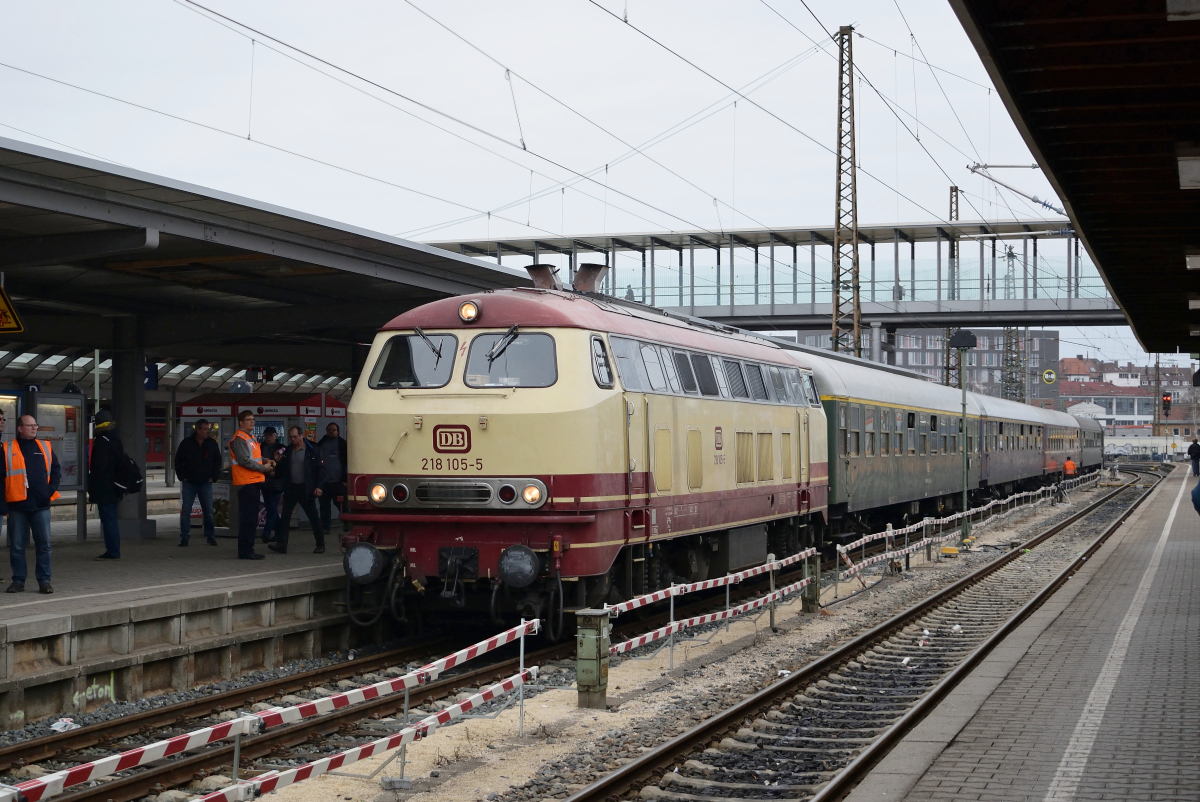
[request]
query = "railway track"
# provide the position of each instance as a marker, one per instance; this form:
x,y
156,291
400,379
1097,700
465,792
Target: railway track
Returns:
x,y
303,739
814,734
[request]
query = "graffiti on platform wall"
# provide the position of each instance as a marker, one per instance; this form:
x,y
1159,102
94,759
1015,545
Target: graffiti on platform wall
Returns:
x,y
96,692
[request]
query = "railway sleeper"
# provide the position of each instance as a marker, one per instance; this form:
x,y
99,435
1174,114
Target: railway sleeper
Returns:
x,y
884,703
762,737
815,730
809,725
836,696
653,792
842,715
820,762
702,783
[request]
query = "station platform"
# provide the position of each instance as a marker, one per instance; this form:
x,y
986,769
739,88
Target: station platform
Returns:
x,y
1095,696
162,618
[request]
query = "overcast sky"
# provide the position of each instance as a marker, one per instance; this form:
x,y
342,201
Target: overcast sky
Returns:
x,y
457,120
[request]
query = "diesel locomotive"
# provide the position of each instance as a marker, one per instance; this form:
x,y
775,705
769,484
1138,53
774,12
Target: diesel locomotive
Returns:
x,y
529,451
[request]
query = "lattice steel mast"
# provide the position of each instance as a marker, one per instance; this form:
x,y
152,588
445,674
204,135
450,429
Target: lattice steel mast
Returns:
x,y
1013,366
847,311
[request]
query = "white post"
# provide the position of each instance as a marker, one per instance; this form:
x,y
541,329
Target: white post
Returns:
x,y
521,692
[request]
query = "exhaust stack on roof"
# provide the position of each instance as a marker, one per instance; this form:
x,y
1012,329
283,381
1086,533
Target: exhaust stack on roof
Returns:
x,y
545,277
587,277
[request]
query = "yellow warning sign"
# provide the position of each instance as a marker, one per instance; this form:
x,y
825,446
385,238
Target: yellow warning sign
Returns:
x,y
9,322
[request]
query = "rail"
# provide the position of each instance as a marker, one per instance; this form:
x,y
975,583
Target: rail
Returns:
x,y
52,785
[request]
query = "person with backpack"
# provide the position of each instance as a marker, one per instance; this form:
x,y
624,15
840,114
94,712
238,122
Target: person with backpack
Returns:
x,y
31,475
1193,453
103,488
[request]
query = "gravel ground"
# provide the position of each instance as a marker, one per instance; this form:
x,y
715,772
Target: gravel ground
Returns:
x,y
564,747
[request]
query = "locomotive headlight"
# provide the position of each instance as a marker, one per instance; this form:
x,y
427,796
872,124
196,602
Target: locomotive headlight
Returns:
x,y
379,493
532,494
468,311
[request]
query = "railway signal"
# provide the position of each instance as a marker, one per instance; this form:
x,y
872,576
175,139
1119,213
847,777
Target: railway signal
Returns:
x,y
1166,399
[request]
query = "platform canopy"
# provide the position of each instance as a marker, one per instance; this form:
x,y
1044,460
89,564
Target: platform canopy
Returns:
x,y
1105,94
95,255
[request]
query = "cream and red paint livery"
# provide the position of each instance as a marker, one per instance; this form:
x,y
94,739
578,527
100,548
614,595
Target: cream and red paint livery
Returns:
x,y
619,466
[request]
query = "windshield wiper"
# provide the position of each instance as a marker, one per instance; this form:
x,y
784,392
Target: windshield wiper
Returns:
x,y
437,349
501,345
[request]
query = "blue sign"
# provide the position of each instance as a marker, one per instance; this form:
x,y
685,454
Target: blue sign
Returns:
x,y
152,376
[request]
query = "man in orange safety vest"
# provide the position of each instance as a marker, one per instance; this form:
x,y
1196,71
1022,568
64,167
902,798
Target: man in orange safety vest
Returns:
x,y
31,476
249,476
1069,468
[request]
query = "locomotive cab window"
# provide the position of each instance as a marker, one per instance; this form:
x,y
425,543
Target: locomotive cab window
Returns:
x,y
706,378
412,360
601,369
719,376
781,393
654,369
669,369
629,367
810,389
512,360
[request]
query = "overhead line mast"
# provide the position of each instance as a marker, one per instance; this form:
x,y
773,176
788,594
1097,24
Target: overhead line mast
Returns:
x,y
847,309
952,376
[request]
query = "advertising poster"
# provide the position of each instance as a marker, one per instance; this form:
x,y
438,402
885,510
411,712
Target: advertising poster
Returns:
x,y
8,404
59,423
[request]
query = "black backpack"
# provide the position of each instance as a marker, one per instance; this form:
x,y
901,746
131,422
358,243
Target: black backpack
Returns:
x,y
127,476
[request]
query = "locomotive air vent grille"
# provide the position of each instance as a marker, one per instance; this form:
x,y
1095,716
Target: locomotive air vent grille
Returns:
x,y
453,493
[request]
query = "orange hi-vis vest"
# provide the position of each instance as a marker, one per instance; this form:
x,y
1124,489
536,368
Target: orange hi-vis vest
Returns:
x,y
1069,468
245,476
16,483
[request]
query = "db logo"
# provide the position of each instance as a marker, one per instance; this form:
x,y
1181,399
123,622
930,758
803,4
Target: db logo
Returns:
x,y
451,439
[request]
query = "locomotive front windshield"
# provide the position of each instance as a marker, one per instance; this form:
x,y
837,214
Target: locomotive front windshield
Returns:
x,y
512,360
415,360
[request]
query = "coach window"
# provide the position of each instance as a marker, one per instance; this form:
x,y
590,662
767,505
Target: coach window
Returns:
x,y
923,435
654,368
912,432
629,365
843,435
855,430
601,370
944,431
705,377
669,368
932,442
754,379
511,360
869,431
885,432
737,382
719,376
414,360
684,368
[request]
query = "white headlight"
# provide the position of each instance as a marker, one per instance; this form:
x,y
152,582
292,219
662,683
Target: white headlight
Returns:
x,y
378,494
532,494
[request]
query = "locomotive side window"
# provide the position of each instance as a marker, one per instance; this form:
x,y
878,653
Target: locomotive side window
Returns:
x,y
654,369
781,393
737,384
758,387
625,353
512,360
811,390
796,394
669,368
601,369
718,376
409,360
684,367
705,377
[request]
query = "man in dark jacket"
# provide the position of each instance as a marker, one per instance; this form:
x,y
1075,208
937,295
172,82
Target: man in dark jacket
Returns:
x,y
102,481
272,449
333,454
198,465
303,475
1194,456
28,501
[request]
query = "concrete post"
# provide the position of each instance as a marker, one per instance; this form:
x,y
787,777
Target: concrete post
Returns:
x,y
812,592
876,341
591,658
129,411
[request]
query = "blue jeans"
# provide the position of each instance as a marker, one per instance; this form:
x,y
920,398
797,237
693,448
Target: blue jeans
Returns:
x,y
108,525
20,524
271,500
188,493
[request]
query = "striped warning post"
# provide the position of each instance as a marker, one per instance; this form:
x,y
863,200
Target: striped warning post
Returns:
x,y
273,781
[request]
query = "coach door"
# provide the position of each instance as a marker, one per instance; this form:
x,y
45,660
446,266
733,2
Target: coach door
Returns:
x,y
805,447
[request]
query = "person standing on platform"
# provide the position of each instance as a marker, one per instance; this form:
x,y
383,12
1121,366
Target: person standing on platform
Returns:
x,y
303,476
198,465
31,475
1193,455
272,449
249,476
333,454
102,481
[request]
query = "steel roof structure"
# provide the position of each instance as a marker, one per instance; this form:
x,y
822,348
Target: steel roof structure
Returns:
x,y
96,255
1105,94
